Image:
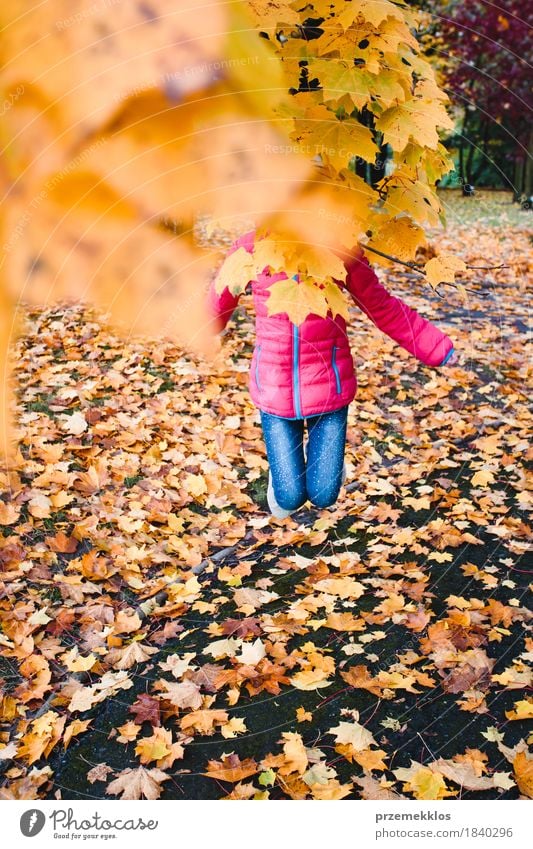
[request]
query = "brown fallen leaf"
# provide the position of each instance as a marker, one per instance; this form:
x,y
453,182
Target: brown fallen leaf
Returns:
x,y
128,732
98,773
146,709
38,675
241,791
369,759
372,789
203,721
62,543
231,768
463,774
295,755
185,694
473,671
248,626
139,783
125,658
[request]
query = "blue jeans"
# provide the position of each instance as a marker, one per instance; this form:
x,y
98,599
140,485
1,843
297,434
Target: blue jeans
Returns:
x,y
293,479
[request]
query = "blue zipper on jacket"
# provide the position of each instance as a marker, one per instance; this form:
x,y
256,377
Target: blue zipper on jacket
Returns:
x,y
336,368
295,374
295,364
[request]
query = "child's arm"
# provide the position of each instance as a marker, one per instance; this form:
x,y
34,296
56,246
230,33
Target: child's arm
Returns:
x,y
222,304
402,323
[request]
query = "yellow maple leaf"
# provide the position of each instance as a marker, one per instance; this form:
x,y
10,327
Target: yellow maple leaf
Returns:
x,y
272,252
523,709
344,622
397,680
303,715
318,263
415,119
235,272
443,268
483,477
336,300
426,784
78,726
400,237
76,662
296,759
195,485
523,772
371,759
422,503
370,10
406,193
128,732
233,727
332,789
9,514
353,734
310,679
440,556
156,747
298,300
203,721
336,141
341,587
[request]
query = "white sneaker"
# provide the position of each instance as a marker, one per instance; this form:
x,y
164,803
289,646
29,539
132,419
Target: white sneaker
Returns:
x,y
275,509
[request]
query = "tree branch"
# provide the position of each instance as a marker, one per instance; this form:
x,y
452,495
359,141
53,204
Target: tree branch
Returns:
x,y
418,266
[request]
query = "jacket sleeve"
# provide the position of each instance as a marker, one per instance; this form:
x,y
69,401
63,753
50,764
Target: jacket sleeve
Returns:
x,y
222,304
400,322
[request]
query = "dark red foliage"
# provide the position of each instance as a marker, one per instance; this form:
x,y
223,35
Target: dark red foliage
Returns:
x,y
146,709
489,49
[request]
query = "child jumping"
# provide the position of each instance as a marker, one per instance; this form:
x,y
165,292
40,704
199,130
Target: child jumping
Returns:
x,y
304,374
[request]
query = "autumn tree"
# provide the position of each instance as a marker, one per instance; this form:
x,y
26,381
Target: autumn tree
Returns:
x,y
147,123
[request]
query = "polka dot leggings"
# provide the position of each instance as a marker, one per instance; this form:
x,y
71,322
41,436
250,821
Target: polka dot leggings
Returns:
x,y
296,479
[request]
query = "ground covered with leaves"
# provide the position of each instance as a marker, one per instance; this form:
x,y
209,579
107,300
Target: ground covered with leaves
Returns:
x,y
162,636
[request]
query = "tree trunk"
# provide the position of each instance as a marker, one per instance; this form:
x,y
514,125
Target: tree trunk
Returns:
x,y
484,155
518,177
469,162
527,178
462,151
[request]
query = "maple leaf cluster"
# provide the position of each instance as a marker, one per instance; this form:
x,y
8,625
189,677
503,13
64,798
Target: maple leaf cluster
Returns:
x,y
358,86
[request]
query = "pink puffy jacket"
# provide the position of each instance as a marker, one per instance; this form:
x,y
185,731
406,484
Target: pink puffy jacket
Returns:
x,y
305,370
